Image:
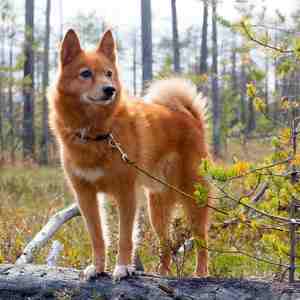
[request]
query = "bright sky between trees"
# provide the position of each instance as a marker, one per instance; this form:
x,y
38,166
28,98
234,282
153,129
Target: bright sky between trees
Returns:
x,y
126,13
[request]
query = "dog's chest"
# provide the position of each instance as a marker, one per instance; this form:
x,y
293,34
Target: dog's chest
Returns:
x,y
85,164
88,174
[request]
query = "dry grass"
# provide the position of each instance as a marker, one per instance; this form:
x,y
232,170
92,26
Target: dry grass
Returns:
x,y
29,195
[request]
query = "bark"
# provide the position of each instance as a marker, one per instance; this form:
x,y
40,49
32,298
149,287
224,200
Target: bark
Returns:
x,y
267,67
176,50
204,49
216,105
10,101
42,282
1,122
276,79
2,93
234,80
134,63
28,88
45,133
243,84
251,123
146,41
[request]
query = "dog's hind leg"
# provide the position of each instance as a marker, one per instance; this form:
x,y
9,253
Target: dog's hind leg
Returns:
x,y
199,221
160,209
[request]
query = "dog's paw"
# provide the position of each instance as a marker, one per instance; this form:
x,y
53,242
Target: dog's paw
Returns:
x,y
122,271
90,272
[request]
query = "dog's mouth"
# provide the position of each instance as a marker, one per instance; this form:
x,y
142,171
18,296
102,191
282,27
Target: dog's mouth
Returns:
x,y
99,99
102,100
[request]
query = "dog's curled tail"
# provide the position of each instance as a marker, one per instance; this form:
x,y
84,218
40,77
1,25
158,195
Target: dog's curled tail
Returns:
x,y
179,94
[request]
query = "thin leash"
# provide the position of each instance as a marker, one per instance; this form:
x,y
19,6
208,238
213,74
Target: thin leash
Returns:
x,y
116,145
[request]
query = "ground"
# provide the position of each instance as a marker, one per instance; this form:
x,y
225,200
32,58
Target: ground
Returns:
x,y
30,194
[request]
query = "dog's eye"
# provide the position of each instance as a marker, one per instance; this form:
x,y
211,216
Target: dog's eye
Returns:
x,y
86,74
108,73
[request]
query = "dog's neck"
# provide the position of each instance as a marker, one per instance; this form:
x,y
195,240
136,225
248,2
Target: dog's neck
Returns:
x,y
75,118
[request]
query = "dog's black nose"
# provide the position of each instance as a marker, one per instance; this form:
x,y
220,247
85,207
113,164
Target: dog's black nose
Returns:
x,y
109,90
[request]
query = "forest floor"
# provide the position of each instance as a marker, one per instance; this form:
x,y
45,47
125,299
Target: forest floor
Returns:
x,y
30,194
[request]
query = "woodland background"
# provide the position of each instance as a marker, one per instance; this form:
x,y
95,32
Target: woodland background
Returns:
x,y
249,70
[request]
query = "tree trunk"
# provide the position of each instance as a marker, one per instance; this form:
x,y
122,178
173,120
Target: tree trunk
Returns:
x,y
243,84
276,78
134,63
204,49
42,282
146,20
28,87
1,122
176,50
267,67
234,81
10,101
2,93
216,105
251,124
45,133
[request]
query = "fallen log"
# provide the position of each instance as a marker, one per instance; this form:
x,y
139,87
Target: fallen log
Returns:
x,y
41,282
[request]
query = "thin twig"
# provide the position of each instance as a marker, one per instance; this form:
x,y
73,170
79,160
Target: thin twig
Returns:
x,y
252,38
239,252
114,144
272,119
287,31
281,162
175,188
263,213
260,193
236,221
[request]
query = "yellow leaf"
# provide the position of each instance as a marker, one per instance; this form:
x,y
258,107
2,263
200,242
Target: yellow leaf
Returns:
x,y
242,217
284,103
285,135
241,167
251,90
296,160
259,104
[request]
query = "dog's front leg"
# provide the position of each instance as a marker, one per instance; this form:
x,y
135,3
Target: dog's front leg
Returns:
x,y
127,210
88,204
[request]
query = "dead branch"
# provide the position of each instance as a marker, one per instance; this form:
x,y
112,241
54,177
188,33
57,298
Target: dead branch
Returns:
x,y
47,232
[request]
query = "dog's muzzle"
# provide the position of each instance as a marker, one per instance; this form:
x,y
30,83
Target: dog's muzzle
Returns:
x,y
108,93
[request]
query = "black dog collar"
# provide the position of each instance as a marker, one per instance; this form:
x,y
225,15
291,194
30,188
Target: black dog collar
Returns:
x,y
97,138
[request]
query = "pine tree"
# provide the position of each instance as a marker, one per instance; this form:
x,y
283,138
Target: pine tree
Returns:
x,y
146,21
28,88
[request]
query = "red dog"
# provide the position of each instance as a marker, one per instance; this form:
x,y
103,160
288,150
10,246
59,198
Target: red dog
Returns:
x,y
165,137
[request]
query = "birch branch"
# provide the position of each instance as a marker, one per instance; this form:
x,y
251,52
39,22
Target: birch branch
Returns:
x,y
47,232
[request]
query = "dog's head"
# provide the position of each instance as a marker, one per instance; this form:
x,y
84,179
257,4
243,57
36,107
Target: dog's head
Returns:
x,y
91,77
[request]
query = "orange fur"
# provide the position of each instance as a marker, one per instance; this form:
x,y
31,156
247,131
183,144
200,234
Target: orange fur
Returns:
x,y
166,137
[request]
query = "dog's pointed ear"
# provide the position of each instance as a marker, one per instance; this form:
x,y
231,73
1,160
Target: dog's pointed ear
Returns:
x,y
70,47
107,46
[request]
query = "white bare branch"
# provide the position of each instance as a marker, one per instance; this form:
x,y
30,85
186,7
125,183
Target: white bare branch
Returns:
x,y
47,232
